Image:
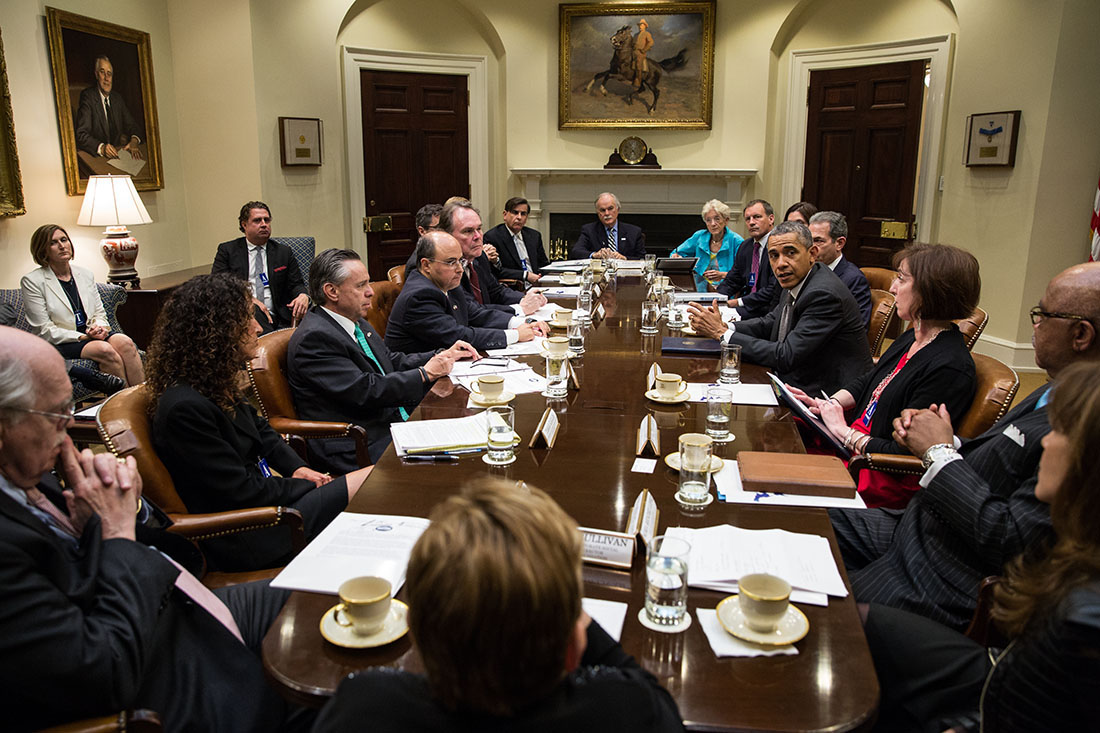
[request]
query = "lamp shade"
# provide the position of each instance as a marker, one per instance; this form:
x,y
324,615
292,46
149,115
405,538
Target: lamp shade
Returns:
x,y
110,201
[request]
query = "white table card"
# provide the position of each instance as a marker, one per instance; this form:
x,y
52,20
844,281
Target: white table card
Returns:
x,y
602,547
547,430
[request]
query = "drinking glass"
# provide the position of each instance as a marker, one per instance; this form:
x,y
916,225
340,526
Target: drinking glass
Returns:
x,y
675,315
666,575
576,338
502,435
651,311
696,450
584,304
719,406
729,364
557,375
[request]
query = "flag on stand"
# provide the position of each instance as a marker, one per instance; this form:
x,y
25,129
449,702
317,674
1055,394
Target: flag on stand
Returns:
x,y
1094,256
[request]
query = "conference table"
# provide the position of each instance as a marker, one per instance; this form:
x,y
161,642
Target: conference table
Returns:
x,y
829,685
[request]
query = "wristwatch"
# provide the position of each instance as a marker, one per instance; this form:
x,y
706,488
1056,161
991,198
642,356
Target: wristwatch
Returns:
x,y
937,452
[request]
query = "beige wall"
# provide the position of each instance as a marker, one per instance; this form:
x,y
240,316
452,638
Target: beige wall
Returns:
x,y
226,69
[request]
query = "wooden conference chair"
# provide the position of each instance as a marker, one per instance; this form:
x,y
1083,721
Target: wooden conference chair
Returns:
x,y
385,295
972,326
123,424
127,721
884,313
396,275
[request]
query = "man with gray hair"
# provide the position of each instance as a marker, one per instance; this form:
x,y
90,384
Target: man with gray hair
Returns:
x,y
609,238
340,370
95,619
829,230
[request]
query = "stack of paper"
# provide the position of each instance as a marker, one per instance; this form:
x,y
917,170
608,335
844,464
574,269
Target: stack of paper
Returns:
x,y
440,436
727,482
743,394
485,366
351,546
565,266
522,381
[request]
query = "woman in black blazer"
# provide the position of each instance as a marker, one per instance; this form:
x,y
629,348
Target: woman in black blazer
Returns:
x,y
928,364
221,454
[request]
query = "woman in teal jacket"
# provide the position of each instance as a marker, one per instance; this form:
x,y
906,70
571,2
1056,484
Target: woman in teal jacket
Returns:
x,y
715,246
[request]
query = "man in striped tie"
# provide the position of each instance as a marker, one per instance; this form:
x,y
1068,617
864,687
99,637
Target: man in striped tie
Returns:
x,y
609,238
341,370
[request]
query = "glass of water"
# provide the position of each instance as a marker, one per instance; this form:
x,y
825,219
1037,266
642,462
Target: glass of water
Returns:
x,y
557,375
576,338
502,435
696,450
675,315
584,304
666,576
651,311
719,406
729,364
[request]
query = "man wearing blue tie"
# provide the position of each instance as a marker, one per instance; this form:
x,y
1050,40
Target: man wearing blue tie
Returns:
x,y
340,370
609,238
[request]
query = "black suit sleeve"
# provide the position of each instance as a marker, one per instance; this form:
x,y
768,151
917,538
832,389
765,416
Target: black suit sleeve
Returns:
x,y
585,247
221,259
424,314
819,314
85,120
294,283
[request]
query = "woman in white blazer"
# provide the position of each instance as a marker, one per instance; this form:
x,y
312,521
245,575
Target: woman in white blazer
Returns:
x,y
63,306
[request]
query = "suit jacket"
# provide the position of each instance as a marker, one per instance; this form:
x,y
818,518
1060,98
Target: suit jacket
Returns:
x,y
91,122
213,458
511,266
494,295
49,312
827,343
283,274
424,318
974,516
100,628
856,281
594,238
737,282
332,379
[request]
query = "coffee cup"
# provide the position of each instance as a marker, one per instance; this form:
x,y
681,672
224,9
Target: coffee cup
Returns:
x,y
763,599
569,278
670,385
364,604
557,345
563,316
489,386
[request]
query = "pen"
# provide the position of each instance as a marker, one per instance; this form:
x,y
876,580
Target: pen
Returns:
x,y
435,458
827,397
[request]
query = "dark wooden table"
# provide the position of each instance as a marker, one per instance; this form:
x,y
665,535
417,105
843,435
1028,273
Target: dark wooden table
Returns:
x,y
829,685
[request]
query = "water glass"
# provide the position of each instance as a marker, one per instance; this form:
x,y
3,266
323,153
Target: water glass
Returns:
x,y
576,338
612,266
557,375
696,450
650,264
584,305
666,580
719,406
502,434
651,311
675,315
729,364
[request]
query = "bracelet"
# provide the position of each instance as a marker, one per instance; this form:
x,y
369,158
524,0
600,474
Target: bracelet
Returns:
x,y
423,374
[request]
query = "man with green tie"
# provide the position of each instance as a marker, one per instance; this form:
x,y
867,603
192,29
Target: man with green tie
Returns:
x,y
341,370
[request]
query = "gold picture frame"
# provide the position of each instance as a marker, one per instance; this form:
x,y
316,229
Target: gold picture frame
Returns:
x,y
11,182
598,86
77,43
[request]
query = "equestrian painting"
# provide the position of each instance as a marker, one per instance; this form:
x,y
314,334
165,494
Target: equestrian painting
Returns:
x,y
638,65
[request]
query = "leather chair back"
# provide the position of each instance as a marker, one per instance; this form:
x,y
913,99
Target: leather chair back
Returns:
x,y
123,424
385,295
884,311
267,372
396,275
879,278
997,385
972,326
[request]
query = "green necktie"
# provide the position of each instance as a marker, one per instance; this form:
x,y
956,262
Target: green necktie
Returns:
x,y
370,355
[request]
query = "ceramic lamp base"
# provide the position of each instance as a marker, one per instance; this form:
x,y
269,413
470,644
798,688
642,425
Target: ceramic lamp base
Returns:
x,y
120,250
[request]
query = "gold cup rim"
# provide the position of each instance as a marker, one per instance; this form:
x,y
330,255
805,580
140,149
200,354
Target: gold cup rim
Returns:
x,y
761,596
365,599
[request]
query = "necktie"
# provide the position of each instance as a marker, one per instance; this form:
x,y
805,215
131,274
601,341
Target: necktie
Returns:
x,y
475,283
521,250
370,355
258,273
611,240
755,264
112,128
785,315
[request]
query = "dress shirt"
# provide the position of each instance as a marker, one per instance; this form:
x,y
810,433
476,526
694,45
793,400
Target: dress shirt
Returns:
x,y
252,249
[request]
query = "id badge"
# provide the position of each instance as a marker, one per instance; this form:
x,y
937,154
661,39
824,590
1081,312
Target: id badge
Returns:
x,y
81,321
265,470
752,279
263,279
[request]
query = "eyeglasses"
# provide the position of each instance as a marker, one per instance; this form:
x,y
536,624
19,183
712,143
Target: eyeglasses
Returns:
x,y
453,262
1037,314
62,418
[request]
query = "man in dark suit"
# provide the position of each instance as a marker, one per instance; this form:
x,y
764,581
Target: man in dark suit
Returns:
x,y
95,621
830,232
750,284
814,339
104,125
279,294
340,370
433,311
609,237
519,248
977,509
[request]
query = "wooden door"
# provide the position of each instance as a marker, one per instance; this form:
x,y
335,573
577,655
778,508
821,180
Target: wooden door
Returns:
x,y
415,152
862,139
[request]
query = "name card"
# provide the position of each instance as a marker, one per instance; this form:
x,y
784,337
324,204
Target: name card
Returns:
x,y
649,438
600,312
651,380
642,521
574,378
595,291
546,431
601,547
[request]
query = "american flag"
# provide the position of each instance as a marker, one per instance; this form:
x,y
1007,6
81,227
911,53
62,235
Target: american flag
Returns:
x,y
1094,256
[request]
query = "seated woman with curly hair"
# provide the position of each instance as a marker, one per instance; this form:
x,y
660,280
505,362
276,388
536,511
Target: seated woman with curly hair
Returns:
x,y
1047,605
221,454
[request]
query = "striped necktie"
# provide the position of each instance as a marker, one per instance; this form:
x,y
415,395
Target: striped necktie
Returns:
x,y
370,355
611,240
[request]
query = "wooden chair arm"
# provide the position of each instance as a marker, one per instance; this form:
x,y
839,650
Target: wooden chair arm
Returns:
x,y
888,462
135,721
981,628
207,526
297,432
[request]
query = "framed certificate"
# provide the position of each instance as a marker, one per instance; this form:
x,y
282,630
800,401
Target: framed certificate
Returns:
x,y
991,138
300,140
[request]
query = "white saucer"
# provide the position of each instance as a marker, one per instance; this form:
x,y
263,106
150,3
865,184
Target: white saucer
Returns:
x,y
682,626
559,324
682,396
792,627
689,505
567,354
672,460
485,458
504,399
395,626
